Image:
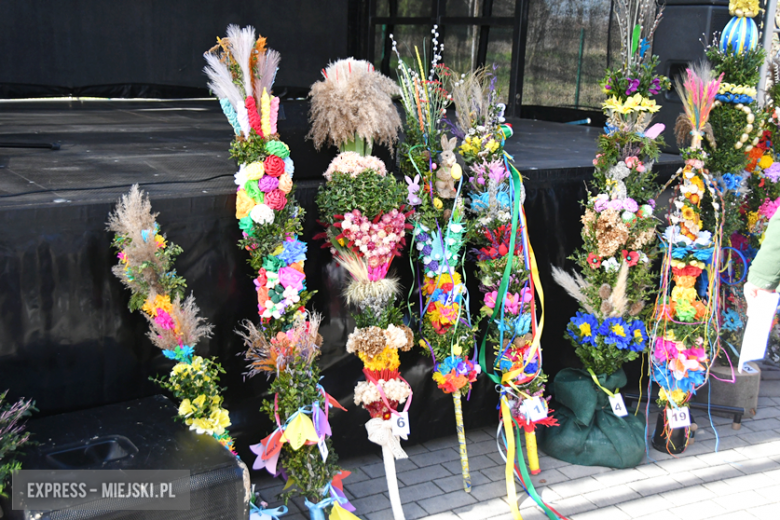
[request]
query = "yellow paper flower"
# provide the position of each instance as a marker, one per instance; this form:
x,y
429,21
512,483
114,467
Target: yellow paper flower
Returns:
x,y
765,162
649,105
180,368
244,204
254,171
437,203
161,301
612,103
491,146
683,293
385,360
199,401
185,408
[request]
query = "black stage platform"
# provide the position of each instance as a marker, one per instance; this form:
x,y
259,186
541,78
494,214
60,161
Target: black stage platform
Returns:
x,y
66,337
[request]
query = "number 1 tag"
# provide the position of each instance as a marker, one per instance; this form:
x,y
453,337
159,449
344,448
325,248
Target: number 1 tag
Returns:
x,y
323,449
400,424
678,417
618,406
535,409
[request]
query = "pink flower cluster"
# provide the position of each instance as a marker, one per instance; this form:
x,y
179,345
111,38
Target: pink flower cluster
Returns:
x,y
634,163
769,208
603,202
378,241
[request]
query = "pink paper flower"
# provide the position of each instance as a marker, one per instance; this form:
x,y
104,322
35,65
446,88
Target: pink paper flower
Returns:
x,y
164,320
512,303
290,277
665,349
490,299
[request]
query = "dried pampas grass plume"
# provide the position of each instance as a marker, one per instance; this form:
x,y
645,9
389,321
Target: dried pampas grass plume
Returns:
x,y
133,212
190,327
573,285
470,96
353,101
618,299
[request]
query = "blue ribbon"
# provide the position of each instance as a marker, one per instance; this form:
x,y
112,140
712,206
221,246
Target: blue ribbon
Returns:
x,y
273,513
318,510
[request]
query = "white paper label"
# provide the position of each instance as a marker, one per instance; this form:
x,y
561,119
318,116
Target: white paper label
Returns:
x,y
535,409
400,424
748,369
618,406
678,417
323,449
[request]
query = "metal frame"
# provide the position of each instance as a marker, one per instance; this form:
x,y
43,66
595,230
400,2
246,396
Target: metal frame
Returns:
x,y
518,22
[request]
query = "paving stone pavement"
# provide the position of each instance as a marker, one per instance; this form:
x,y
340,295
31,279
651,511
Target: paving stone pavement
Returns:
x,y
739,481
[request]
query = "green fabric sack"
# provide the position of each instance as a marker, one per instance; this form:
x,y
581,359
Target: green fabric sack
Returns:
x,y
590,434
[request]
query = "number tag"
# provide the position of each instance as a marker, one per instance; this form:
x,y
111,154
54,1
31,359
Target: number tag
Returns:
x,y
748,369
678,417
323,449
535,409
400,424
618,406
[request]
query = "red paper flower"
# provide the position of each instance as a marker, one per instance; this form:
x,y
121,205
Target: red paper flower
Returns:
x,y
274,166
631,258
594,261
276,199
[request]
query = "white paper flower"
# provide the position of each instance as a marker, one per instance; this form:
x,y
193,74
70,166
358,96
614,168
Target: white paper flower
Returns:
x,y
610,265
262,214
240,177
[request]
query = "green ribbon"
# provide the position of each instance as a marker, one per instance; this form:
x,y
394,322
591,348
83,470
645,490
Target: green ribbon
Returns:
x,y
516,183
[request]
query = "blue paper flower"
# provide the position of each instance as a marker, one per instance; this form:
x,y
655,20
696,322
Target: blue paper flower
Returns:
x,y
731,320
616,332
294,251
731,182
638,333
584,328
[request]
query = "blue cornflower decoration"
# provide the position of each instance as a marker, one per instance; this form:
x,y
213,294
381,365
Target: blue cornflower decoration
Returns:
x,y
584,328
522,324
638,333
532,367
616,332
731,182
294,251
731,320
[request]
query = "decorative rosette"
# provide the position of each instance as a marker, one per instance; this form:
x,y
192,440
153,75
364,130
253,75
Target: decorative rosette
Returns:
x,y
145,267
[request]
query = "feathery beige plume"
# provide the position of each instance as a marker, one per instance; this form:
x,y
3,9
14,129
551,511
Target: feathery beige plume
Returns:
x,y
618,298
573,285
353,101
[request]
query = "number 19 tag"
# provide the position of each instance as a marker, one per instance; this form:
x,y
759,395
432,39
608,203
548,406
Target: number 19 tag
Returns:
x,y
400,424
535,409
618,406
678,417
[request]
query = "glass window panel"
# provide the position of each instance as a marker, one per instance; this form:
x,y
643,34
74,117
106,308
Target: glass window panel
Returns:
x,y
383,7
499,56
463,8
407,37
414,7
460,46
505,7
553,52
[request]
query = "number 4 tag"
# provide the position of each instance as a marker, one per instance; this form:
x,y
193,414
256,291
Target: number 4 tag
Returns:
x,y
618,406
535,410
400,424
678,417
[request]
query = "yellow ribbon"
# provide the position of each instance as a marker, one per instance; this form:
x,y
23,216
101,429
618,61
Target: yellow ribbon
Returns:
x,y
596,380
506,417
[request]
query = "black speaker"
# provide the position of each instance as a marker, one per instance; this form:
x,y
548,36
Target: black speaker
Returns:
x,y
134,435
687,25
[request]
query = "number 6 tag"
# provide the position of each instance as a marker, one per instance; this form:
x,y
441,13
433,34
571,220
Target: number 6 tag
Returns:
x,y
400,424
535,410
678,417
618,406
